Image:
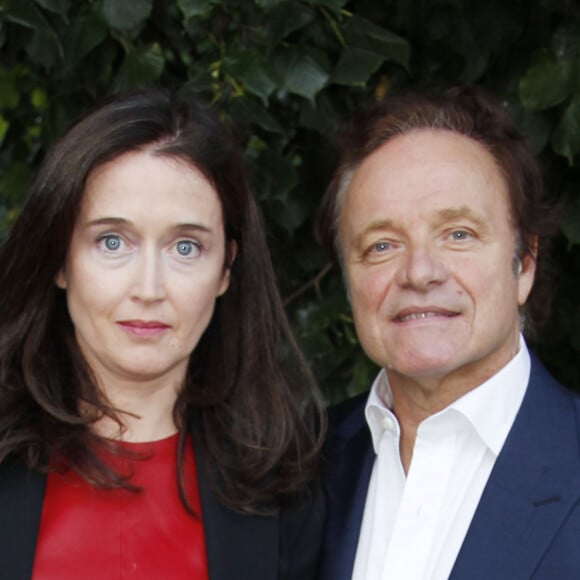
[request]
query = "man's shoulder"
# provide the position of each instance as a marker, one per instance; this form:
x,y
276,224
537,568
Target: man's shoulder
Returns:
x,y
348,447
549,406
542,379
346,421
347,410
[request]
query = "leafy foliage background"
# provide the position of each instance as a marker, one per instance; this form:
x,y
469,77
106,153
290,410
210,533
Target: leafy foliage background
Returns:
x,y
286,72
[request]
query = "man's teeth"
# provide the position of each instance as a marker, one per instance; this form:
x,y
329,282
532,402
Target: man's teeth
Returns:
x,y
419,315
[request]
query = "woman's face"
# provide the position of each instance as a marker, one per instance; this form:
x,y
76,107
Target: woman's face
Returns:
x,y
144,268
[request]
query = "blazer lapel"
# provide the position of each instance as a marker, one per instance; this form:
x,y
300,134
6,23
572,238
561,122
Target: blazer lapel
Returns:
x,y
240,546
535,483
21,496
347,464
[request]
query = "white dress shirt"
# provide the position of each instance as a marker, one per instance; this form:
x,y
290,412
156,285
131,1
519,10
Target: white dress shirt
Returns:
x,y
413,526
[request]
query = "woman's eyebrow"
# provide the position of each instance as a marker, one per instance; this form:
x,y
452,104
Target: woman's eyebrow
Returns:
x,y
178,227
107,221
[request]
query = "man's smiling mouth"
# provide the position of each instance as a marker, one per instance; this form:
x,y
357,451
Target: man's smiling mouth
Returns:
x,y
407,314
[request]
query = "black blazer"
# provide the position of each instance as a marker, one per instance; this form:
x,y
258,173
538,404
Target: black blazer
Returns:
x,y
282,546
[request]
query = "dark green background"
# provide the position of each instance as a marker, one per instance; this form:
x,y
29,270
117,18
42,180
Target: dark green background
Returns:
x,y
286,72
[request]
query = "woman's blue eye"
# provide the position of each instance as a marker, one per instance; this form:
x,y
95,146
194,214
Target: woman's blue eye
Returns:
x,y
185,247
459,235
112,243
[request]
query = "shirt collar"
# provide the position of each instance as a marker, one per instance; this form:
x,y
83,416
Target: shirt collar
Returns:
x,y
490,408
378,410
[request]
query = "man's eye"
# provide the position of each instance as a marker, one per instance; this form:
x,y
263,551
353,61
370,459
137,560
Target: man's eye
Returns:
x,y
460,235
111,242
382,246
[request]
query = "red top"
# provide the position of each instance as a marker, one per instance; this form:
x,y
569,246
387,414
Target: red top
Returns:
x,y
91,533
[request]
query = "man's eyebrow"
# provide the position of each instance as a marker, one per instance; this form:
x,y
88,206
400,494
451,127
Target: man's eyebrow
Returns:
x,y
463,211
375,226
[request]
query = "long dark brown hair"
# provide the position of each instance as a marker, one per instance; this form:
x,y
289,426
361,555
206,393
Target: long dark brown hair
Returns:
x,y
247,389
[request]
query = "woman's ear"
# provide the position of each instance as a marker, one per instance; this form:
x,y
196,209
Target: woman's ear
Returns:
x,y
60,279
231,251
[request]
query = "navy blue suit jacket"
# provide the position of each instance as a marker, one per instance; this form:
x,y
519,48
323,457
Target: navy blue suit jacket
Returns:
x,y
527,523
241,546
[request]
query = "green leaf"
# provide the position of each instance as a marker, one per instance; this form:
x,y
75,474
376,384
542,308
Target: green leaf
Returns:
x,y
4,126
126,14
85,34
288,214
7,217
141,67
60,7
571,222
334,4
13,182
287,18
566,137
361,33
25,13
43,49
534,125
9,95
546,83
355,67
322,117
247,110
301,74
201,81
276,176
269,4
191,8
38,98
251,69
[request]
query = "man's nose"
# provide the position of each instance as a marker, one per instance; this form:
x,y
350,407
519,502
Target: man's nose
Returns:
x,y
149,283
421,267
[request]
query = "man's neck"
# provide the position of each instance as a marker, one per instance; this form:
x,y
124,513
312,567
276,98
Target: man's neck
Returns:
x,y
416,400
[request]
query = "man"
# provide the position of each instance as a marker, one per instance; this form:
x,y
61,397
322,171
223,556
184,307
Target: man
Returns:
x,y
464,460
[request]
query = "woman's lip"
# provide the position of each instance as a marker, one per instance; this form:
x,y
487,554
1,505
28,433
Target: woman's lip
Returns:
x,y
144,323
143,327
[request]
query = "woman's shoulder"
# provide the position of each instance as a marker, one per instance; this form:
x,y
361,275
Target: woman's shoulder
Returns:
x,y
16,477
21,496
301,525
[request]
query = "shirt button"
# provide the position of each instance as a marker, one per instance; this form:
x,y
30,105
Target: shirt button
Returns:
x,y
388,423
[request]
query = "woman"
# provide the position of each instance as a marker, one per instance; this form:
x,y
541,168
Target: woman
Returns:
x,y
149,427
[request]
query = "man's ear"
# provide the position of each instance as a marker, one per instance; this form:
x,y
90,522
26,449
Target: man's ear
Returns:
x,y
527,270
60,279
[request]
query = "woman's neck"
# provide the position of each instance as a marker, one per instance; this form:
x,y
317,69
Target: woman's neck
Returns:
x,y
145,410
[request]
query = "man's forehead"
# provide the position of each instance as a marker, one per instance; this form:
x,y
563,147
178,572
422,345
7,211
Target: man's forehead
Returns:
x,y
430,159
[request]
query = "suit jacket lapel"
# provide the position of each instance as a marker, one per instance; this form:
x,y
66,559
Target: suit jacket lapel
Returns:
x,y
533,486
241,546
347,462
21,496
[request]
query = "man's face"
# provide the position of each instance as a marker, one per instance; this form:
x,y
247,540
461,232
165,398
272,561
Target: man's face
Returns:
x,y
428,249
